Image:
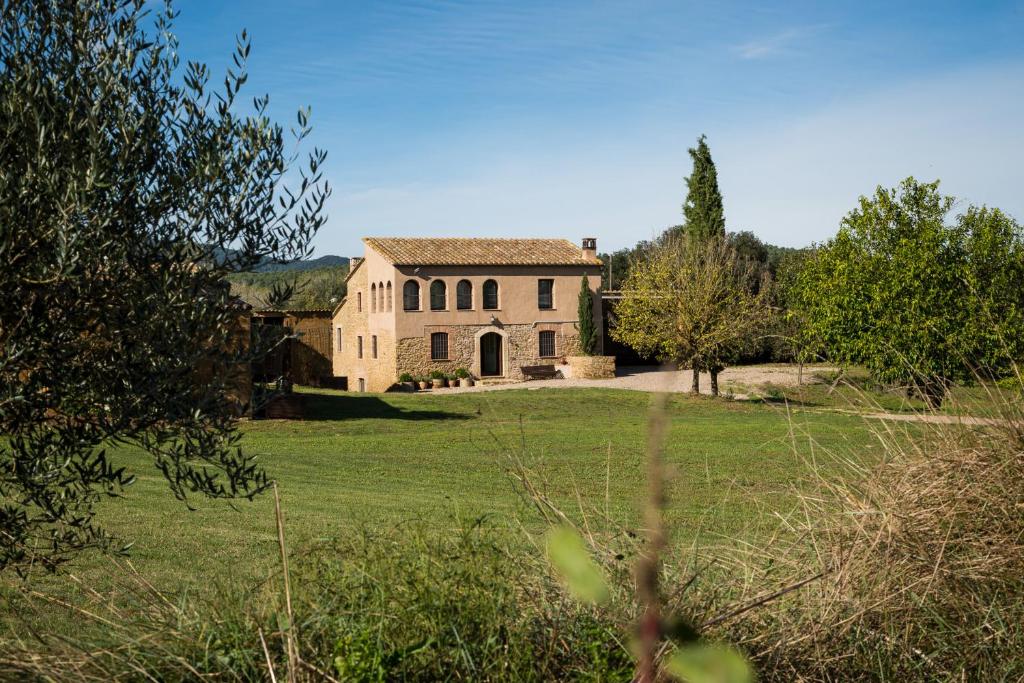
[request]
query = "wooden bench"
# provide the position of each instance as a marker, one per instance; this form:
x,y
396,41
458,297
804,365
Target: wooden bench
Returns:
x,y
539,371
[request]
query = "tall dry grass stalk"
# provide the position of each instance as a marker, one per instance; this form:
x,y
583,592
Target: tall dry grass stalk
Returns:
x,y
920,554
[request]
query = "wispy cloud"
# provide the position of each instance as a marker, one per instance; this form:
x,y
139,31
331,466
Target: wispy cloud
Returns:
x,y
789,181
777,44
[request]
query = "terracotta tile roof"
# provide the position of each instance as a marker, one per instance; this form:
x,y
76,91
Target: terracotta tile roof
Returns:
x,y
478,251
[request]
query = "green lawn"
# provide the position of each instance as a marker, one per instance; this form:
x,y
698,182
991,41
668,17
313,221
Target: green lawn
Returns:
x,y
394,459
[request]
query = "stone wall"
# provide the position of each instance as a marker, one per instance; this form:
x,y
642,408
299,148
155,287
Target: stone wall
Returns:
x,y
592,367
520,346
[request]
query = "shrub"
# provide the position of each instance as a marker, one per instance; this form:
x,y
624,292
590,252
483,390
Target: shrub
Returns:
x,y
462,373
405,377
436,374
415,605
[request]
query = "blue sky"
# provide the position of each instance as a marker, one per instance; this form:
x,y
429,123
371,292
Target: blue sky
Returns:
x,y
572,119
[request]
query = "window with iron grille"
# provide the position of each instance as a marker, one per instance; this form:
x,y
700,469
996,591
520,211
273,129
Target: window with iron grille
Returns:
x,y
490,295
439,346
359,347
547,344
373,346
464,295
438,295
545,294
411,295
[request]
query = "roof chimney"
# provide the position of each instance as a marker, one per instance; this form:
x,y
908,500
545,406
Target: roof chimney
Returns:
x,y
589,248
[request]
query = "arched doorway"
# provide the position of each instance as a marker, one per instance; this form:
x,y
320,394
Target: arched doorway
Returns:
x,y
490,355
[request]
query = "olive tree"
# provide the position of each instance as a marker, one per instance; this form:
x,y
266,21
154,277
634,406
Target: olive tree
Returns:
x,y
923,299
692,302
128,190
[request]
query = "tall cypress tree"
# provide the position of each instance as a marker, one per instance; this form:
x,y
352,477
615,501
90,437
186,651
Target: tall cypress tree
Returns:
x,y
588,332
705,217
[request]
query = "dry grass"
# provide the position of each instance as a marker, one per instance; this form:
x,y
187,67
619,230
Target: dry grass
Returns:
x,y
921,559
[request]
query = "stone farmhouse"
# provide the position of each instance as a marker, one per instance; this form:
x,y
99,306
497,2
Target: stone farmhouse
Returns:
x,y
492,306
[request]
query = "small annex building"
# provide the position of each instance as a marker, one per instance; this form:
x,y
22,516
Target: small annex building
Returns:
x,y
492,306
304,356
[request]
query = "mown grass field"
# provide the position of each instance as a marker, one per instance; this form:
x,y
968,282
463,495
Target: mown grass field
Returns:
x,y
392,459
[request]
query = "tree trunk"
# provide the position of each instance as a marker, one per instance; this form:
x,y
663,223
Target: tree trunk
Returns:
x,y
933,391
695,388
714,380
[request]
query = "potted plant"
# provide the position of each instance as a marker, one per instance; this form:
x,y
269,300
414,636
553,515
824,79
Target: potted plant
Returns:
x,y
437,379
407,382
423,383
465,379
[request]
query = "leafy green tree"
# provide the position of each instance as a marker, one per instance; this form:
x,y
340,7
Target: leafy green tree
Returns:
x,y
749,247
616,268
128,190
691,303
703,210
921,300
585,309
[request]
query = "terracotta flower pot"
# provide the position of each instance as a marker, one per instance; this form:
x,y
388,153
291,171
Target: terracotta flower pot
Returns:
x,y
455,382
438,382
423,384
468,381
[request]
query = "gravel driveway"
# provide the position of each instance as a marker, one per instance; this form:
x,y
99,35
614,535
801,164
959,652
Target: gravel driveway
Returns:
x,y
738,381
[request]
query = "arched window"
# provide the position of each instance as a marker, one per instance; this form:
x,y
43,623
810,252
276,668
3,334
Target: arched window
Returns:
x,y
380,297
373,298
389,296
490,295
464,295
411,295
438,295
547,344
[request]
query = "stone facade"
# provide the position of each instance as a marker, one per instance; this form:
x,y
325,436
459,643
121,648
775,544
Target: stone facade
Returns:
x,y
592,367
520,346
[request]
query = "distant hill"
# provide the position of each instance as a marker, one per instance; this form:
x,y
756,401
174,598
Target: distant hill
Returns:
x,y
268,266
322,262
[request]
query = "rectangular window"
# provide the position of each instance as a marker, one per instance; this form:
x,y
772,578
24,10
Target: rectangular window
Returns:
x,y
547,344
545,294
373,346
359,347
338,333
439,346
362,385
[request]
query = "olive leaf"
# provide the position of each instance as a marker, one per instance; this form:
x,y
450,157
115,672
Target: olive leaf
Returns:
x,y
568,554
704,663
